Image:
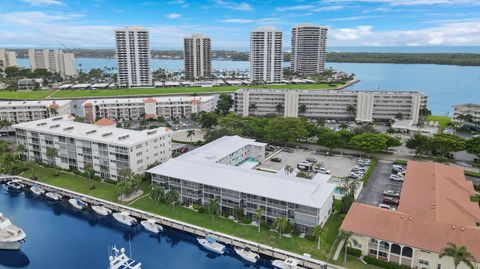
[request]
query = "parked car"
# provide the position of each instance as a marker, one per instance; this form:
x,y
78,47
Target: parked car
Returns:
x,y
271,147
389,207
305,166
391,193
391,201
324,170
398,168
396,178
289,150
355,175
311,160
359,169
364,162
276,160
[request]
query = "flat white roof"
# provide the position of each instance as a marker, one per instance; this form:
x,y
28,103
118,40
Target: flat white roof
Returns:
x,y
141,100
65,126
33,103
200,166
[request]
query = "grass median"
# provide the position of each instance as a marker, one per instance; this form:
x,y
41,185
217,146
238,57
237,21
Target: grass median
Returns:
x,y
24,95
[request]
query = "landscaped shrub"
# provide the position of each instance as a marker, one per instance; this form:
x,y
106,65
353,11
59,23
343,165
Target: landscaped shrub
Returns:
x,y
383,264
354,252
400,162
369,171
476,187
265,225
471,174
201,209
196,206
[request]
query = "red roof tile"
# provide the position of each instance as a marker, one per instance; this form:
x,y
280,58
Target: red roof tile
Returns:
x,y
104,122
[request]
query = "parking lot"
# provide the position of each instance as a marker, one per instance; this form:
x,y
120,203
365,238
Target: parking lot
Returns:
x,y
339,166
378,182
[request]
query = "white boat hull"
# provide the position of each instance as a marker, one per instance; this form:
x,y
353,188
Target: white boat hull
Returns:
x,y
151,227
279,264
128,221
215,247
247,255
37,191
53,197
10,245
100,210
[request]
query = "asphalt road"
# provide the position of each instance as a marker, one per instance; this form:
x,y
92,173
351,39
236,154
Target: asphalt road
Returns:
x,y
372,194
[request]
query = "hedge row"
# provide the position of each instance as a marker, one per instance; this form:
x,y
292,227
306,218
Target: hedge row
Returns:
x,y
383,264
472,174
400,162
369,171
354,252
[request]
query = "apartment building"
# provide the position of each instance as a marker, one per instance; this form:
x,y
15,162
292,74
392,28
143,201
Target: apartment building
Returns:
x,y
223,170
467,109
197,55
266,55
7,58
54,61
133,57
25,111
309,49
147,108
435,209
363,106
107,149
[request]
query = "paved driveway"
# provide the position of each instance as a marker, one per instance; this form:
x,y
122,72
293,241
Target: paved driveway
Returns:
x,y
378,182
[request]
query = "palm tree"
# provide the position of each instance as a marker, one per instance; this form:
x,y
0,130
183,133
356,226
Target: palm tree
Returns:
x,y
279,107
158,194
172,197
459,255
302,109
213,207
252,107
258,216
31,165
20,150
88,168
288,169
343,235
317,232
52,154
281,224
190,134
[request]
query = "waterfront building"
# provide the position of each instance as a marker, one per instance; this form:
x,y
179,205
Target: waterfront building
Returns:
x,y
197,56
266,55
107,149
133,57
28,84
171,107
53,60
363,106
467,109
435,209
309,49
7,59
25,111
224,170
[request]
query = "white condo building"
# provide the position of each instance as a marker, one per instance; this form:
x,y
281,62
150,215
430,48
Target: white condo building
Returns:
x,y
363,106
309,49
266,55
133,57
224,170
467,109
107,149
197,55
7,59
147,108
25,111
53,60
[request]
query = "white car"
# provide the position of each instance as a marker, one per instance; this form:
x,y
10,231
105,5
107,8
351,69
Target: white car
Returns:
x,y
389,207
324,170
397,178
364,162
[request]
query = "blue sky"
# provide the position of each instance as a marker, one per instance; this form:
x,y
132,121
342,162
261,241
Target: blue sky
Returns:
x,y
90,23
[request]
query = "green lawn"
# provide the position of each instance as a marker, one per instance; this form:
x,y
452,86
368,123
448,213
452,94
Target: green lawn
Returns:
x,y
294,244
21,95
443,121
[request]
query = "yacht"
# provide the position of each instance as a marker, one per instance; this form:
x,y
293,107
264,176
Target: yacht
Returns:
x,y
211,244
15,185
119,260
124,218
52,196
10,235
36,190
247,254
289,263
77,203
152,226
101,210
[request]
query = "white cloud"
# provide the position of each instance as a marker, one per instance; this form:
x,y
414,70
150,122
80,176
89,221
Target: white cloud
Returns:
x,y
173,16
237,20
35,17
354,18
43,2
327,8
234,5
411,2
295,8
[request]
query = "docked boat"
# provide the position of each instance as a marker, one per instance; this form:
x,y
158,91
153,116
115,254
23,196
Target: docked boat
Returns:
x,y
10,235
15,185
119,260
52,196
247,254
151,225
77,203
289,263
101,210
124,218
211,244
36,190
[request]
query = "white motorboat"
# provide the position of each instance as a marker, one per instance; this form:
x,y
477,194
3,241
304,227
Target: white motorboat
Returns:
x,y
52,196
211,244
77,203
124,218
247,254
10,235
152,226
36,190
119,260
15,185
101,210
289,263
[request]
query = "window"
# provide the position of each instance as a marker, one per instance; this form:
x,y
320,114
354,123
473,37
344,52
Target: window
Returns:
x,y
424,262
439,266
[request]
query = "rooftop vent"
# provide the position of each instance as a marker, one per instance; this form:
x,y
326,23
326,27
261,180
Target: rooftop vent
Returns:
x,y
453,227
123,137
68,128
91,132
57,118
410,218
41,123
151,132
107,134
55,126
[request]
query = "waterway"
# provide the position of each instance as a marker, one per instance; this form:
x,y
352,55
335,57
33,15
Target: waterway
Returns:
x,y
59,237
445,85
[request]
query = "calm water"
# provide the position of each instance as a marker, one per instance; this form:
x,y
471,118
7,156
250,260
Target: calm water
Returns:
x,y
58,237
445,85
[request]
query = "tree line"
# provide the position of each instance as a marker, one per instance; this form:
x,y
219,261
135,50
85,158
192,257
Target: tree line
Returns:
x,y
443,145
